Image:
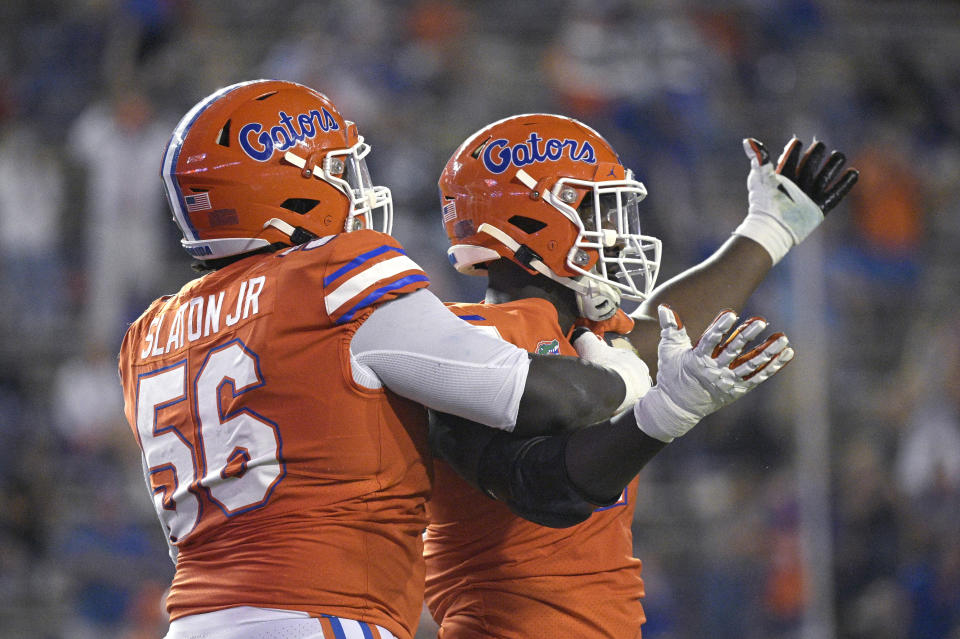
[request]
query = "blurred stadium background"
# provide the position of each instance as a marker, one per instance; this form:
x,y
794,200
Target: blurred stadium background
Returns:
x,y
827,505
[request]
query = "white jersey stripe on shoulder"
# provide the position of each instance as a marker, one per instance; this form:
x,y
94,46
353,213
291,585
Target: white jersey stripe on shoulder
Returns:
x,y
367,278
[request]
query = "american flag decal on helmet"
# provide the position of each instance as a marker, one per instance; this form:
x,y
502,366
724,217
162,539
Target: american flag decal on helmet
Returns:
x,y
197,202
449,211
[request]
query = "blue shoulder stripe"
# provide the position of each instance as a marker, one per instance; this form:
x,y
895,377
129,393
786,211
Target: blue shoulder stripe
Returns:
x,y
358,261
373,297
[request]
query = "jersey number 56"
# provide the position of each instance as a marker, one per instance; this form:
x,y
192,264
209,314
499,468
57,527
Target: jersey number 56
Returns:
x,y
233,458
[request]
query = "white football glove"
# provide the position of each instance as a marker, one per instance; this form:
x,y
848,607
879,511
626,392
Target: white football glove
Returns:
x,y
624,362
694,381
787,202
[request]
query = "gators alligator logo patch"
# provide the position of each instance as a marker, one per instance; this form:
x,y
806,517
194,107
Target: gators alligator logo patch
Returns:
x,y
551,347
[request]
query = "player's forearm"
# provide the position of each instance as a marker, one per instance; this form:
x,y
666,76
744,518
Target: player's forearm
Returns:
x,y
555,481
602,459
526,473
563,393
724,280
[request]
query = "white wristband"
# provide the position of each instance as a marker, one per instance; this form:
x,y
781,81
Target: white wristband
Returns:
x,y
768,232
661,418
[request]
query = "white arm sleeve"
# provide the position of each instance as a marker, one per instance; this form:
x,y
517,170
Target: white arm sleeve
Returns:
x,y
420,350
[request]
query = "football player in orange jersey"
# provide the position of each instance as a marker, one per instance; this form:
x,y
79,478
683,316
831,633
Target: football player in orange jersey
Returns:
x,y
542,206
278,399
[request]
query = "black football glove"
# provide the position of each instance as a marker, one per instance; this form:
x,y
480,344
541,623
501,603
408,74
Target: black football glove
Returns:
x,y
818,184
787,202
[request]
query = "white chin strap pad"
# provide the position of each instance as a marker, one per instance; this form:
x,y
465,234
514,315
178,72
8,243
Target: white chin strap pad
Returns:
x,y
599,301
596,300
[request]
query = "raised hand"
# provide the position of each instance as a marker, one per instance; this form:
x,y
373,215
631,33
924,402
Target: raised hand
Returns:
x,y
696,380
787,202
817,183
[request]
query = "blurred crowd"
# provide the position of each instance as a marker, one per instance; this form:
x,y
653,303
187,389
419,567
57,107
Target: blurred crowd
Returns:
x,y
90,91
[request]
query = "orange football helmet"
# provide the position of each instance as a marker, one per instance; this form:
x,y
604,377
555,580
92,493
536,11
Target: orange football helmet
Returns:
x,y
268,161
549,193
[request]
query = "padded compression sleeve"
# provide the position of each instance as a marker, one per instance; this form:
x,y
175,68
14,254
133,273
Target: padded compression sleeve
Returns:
x,y
420,350
553,481
528,474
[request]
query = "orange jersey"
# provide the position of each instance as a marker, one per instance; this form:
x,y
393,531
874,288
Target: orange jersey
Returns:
x,y
280,481
491,574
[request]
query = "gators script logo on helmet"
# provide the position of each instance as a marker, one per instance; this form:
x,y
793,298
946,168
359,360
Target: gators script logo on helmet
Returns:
x,y
290,130
264,162
499,155
550,193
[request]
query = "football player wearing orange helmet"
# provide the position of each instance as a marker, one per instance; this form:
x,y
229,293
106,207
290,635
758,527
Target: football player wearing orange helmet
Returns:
x,y
542,206
278,399
578,225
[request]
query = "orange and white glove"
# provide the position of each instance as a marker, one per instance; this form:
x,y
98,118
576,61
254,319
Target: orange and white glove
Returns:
x,y
696,380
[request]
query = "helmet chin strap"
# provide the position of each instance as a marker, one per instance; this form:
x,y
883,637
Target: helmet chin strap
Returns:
x,y
297,234
596,300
